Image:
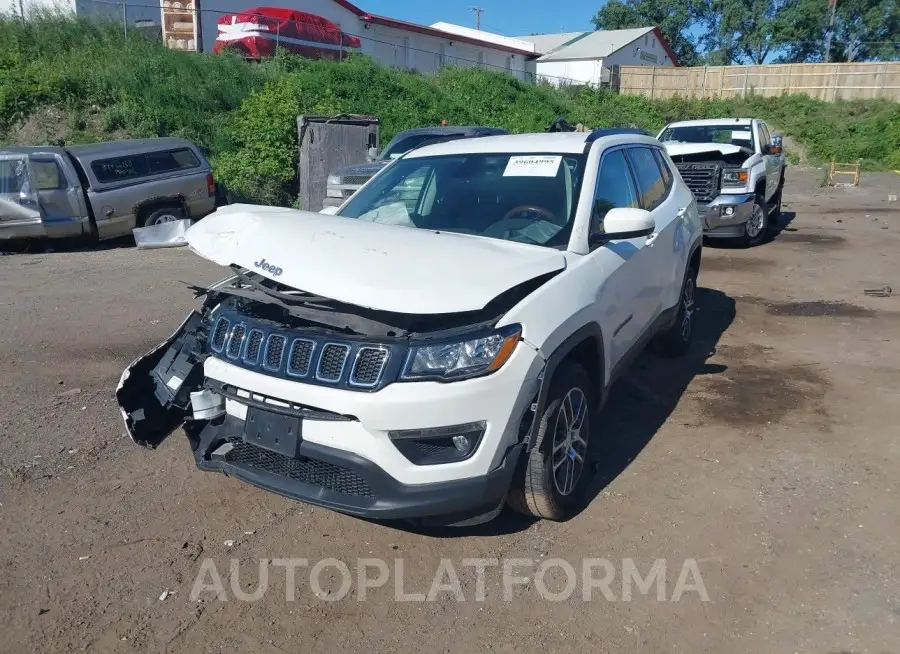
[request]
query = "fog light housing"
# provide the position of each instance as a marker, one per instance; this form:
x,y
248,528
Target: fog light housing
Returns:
x,y
728,211
438,444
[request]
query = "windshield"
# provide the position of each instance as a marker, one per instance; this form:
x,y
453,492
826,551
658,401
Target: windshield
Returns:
x,y
527,198
740,135
404,145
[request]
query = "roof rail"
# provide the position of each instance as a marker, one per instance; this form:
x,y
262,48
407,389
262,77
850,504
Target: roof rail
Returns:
x,y
612,131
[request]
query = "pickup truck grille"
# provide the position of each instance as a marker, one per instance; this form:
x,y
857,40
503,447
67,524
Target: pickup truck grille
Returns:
x,y
312,359
356,179
702,178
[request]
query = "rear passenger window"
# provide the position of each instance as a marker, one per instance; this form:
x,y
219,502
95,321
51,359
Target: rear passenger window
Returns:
x,y
47,175
614,188
651,185
664,167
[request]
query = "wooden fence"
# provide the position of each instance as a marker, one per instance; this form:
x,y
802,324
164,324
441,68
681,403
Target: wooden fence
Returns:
x,y
822,81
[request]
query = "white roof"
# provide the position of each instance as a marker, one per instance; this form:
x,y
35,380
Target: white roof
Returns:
x,y
712,122
544,43
488,37
559,142
596,45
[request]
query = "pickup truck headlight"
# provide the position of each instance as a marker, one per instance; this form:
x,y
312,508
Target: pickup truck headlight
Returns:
x,y
735,177
462,359
331,187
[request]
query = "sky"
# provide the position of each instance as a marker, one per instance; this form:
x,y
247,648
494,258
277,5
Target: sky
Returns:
x,y
508,17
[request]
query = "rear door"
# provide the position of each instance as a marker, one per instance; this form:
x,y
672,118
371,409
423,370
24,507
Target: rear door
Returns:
x,y
657,263
18,199
59,193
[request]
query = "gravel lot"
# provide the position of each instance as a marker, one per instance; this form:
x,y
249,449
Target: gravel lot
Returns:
x,y
770,456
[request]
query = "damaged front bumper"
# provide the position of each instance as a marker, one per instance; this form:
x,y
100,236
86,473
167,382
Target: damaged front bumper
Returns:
x,y
331,446
342,481
726,215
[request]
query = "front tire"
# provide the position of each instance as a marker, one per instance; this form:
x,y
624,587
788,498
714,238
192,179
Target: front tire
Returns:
x,y
552,479
757,226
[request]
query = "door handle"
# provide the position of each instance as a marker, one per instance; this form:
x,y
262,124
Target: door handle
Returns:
x,y
681,212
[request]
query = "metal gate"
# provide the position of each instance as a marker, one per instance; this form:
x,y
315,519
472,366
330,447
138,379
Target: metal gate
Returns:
x,y
326,144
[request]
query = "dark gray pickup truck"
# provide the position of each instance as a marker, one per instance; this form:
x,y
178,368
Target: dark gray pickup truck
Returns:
x,y
102,190
346,181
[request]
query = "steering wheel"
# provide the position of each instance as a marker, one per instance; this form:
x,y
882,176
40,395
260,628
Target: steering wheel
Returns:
x,y
523,208
506,226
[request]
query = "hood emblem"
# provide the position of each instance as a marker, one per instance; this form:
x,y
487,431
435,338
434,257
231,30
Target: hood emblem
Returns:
x,y
262,264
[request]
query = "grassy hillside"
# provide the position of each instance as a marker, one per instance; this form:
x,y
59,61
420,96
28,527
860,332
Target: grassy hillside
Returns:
x,y
71,81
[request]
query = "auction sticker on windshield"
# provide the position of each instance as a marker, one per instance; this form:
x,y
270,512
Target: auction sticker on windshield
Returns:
x,y
532,166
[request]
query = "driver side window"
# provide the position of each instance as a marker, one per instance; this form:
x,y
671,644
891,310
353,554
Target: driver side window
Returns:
x,y
614,189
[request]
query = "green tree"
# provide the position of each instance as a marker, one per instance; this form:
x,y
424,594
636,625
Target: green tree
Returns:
x,y
673,17
744,31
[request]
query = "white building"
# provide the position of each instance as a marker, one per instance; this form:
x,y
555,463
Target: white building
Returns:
x,y
586,57
389,41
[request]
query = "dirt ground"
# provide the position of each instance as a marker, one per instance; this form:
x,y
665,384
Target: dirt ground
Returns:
x,y
769,456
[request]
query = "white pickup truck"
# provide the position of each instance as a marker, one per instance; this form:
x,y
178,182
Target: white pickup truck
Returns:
x,y
441,345
735,168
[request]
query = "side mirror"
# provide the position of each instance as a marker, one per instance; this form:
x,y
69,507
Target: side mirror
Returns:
x,y
623,223
329,211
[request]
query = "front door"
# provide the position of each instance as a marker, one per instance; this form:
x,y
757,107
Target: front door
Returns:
x,y
18,199
772,161
624,299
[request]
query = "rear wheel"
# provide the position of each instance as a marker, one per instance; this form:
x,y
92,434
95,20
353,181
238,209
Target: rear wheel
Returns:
x,y
676,340
552,478
163,215
775,215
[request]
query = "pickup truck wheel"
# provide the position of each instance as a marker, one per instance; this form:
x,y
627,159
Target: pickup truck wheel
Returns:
x,y
552,478
164,215
757,226
676,340
775,216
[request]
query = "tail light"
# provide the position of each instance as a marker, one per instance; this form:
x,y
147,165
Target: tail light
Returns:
x,y
210,185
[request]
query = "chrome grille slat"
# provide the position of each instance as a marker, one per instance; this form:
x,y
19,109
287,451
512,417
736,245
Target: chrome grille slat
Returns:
x,y
236,341
701,178
332,361
368,367
306,357
254,346
220,334
274,352
300,357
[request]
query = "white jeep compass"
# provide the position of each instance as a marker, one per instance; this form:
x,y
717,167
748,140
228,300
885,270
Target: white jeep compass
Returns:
x,y
444,343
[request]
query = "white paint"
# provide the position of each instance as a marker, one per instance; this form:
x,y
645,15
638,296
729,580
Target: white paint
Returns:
x,y
373,265
622,286
677,149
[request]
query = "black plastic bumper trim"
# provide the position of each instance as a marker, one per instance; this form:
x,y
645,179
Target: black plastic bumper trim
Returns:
x,y
460,499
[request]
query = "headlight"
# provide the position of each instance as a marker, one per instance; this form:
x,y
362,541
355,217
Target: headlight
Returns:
x,y
333,180
735,176
462,359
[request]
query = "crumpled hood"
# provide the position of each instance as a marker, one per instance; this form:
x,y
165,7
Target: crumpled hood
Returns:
x,y
676,149
378,266
366,169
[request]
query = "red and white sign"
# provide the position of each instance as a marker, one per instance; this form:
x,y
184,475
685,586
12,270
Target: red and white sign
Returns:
x,y
255,33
